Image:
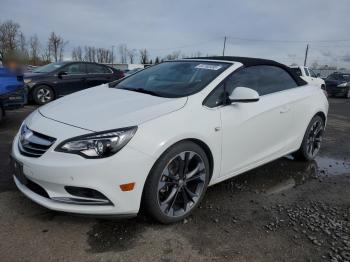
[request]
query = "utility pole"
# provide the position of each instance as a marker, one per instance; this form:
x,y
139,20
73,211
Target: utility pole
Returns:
x,y
112,55
223,50
307,50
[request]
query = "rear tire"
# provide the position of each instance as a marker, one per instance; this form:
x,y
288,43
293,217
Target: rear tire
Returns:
x,y
43,94
312,140
176,183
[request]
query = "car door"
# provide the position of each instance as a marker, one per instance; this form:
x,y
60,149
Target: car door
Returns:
x,y
98,74
253,133
71,78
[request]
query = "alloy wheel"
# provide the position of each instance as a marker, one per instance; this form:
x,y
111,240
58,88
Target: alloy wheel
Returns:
x,y
314,139
44,95
181,184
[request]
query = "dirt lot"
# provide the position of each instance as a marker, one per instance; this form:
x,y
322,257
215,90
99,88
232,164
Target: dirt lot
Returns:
x,y
283,211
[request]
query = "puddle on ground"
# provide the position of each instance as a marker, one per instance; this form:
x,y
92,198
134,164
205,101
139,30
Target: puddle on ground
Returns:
x,y
330,166
286,173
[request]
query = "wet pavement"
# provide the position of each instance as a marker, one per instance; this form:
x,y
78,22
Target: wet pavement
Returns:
x,y
283,211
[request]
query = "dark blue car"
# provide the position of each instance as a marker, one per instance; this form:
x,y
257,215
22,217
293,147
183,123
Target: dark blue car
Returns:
x,y
12,92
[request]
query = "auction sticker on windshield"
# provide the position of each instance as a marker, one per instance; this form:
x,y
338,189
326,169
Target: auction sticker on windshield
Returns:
x,y
208,67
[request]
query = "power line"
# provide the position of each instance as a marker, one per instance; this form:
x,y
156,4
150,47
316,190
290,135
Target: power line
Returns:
x,y
189,45
287,41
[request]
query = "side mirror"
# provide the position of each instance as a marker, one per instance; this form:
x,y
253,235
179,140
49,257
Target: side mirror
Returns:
x,y
61,74
318,75
244,95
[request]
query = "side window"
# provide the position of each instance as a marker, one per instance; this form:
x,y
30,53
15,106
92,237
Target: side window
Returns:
x,y
216,97
75,69
97,69
306,71
245,77
312,73
263,79
274,79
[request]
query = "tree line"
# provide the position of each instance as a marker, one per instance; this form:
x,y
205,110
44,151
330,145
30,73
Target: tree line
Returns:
x,y
16,46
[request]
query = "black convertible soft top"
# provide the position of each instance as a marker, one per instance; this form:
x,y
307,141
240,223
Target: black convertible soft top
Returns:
x,y
249,61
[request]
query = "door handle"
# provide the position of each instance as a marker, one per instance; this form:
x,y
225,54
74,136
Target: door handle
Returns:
x,y
285,109
83,79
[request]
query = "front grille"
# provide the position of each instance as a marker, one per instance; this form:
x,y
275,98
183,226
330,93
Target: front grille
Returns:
x,y
33,144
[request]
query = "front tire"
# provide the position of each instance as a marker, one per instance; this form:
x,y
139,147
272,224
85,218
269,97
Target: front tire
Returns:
x,y
312,140
177,183
43,94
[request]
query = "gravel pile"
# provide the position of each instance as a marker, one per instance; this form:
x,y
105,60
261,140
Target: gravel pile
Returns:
x,y
322,224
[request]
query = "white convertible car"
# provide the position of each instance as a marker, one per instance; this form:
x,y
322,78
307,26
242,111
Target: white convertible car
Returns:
x,y
160,137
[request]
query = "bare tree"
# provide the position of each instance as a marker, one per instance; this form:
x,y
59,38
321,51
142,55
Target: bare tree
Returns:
x,y
77,54
104,55
34,50
9,32
174,55
56,46
90,53
23,47
123,53
132,55
144,56
46,56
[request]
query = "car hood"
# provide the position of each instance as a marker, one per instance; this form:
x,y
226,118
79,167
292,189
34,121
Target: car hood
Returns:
x,y
103,108
33,75
334,82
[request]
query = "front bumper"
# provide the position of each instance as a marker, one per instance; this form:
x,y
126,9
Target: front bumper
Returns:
x,y
54,171
16,99
337,91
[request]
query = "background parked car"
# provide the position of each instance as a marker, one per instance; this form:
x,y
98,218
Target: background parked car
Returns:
x,y
338,84
309,76
54,80
132,71
12,93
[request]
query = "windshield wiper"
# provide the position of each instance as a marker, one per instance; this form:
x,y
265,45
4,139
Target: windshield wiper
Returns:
x,y
141,90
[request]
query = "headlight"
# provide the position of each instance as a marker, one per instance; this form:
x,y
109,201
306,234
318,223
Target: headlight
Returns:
x,y
27,81
343,84
98,145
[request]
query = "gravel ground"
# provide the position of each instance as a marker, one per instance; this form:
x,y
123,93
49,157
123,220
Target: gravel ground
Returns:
x,y
283,211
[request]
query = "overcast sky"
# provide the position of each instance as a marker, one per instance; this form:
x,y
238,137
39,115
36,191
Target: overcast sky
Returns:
x,y
164,26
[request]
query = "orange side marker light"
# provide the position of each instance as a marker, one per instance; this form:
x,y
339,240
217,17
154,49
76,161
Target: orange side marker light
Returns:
x,y
127,187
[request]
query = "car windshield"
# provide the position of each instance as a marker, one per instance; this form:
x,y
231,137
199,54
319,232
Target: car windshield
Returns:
x,y
345,77
173,79
49,67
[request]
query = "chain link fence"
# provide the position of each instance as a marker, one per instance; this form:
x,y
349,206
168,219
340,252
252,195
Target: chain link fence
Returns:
x,y
326,72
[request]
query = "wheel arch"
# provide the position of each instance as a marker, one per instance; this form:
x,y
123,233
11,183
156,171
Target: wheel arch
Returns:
x,y
42,84
196,141
322,115
207,151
